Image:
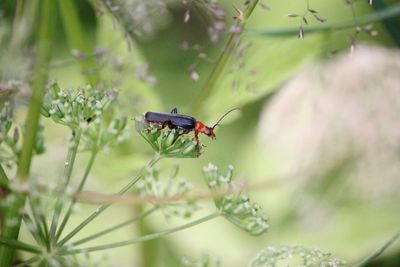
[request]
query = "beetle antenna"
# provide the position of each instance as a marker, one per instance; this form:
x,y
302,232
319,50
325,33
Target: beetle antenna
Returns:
x,y
223,116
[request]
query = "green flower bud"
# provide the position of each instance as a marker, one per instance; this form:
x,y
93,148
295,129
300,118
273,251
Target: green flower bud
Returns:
x,y
167,142
190,148
44,110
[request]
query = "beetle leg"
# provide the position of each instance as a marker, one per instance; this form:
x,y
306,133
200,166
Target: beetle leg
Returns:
x,y
168,123
174,110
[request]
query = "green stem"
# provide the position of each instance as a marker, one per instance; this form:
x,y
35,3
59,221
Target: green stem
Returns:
x,y
39,77
29,261
3,178
77,40
223,58
15,244
40,221
378,252
36,233
4,189
142,238
100,209
380,15
69,165
113,228
80,187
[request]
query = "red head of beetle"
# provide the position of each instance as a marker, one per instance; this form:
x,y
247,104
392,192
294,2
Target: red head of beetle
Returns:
x,y
209,131
201,128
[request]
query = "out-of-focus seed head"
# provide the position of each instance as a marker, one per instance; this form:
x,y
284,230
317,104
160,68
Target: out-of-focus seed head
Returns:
x,y
170,143
294,255
236,207
156,186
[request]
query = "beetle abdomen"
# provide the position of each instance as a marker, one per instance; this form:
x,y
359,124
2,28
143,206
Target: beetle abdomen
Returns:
x,y
176,120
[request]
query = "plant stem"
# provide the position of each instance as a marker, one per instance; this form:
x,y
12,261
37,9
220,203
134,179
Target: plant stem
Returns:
x,y
142,238
113,228
11,231
4,189
40,221
36,233
381,15
3,178
223,58
80,187
378,252
76,38
69,165
15,244
29,261
100,209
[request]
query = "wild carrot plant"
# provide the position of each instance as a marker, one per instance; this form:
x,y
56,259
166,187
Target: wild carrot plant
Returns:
x,y
90,117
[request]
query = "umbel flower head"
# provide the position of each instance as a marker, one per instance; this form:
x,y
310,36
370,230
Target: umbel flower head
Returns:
x,y
236,207
170,143
294,255
75,108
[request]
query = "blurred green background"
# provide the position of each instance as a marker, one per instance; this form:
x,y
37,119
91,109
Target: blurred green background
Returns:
x,y
307,204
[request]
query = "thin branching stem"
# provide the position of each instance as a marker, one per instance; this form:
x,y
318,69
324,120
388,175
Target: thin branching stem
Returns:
x,y
100,209
39,222
69,165
80,187
15,244
142,238
113,228
36,233
29,261
39,77
379,251
223,58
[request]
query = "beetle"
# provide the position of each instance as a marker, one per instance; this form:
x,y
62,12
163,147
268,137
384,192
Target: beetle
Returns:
x,y
183,122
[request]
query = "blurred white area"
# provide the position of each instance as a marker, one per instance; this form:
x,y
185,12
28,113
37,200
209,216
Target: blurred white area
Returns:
x,y
341,118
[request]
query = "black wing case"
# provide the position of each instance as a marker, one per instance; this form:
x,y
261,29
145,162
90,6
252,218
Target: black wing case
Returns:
x,y
179,121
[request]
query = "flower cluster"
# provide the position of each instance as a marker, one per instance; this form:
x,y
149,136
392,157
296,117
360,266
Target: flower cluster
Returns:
x,y
154,187
235,206
75,108
170,143
294,255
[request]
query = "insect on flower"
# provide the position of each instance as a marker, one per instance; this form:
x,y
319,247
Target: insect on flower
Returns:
x,y
183,122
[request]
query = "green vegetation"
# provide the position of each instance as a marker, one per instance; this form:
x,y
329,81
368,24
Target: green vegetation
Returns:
x,y
315,143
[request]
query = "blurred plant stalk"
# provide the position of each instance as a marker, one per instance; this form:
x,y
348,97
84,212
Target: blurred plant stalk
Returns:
x,y
13,217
